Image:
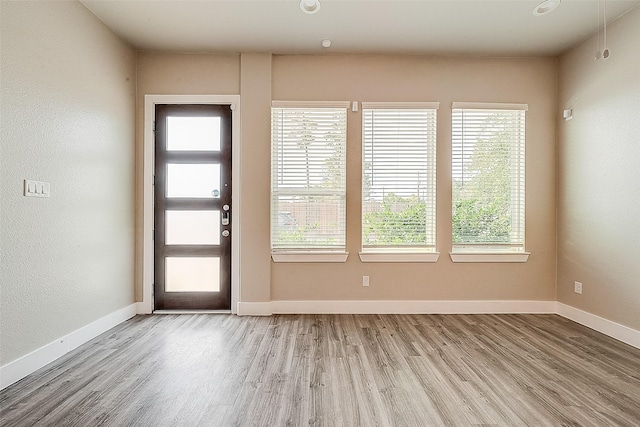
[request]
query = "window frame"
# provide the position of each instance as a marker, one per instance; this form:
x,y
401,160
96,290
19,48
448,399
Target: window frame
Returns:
x,y
474,252
310,254
404,253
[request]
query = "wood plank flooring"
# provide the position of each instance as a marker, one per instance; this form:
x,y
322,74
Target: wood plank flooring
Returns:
x,y
336,370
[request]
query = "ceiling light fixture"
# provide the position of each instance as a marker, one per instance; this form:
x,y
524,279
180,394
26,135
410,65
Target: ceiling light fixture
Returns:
x,y
545,7
326,43
310,6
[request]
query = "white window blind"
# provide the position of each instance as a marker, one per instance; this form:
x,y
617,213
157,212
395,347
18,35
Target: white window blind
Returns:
x,y
488,177
399,177
308,179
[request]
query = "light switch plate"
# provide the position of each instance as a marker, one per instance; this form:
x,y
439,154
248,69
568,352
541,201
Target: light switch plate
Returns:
x,y
37,188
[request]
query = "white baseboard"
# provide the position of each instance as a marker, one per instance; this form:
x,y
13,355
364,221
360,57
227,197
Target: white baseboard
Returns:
x,y
411,307
143,308
393,307
29,363
254,309
602,325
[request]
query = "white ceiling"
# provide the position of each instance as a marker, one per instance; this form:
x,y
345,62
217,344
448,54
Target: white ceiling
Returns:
x,y
433,27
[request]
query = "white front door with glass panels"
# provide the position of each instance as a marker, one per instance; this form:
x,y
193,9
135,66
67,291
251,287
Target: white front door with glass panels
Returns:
x,y
192,243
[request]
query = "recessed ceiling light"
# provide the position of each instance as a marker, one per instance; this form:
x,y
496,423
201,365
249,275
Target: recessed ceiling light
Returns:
x,y
545,7
310,6
326,43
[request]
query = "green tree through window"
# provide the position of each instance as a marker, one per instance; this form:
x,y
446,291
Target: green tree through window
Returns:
x,y
488,177
308,178
398,177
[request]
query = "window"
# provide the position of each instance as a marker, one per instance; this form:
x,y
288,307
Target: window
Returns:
x,y
308,180
488,178
398,181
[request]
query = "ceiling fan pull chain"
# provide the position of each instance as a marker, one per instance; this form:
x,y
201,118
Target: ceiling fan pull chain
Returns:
x,y
598,53
605,52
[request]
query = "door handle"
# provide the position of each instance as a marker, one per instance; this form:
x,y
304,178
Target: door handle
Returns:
x,y
225,215
225,233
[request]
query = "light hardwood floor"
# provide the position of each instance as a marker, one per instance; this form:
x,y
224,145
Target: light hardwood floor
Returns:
x,y
336,370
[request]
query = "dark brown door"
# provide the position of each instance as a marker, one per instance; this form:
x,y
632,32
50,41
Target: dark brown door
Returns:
x,y
192,207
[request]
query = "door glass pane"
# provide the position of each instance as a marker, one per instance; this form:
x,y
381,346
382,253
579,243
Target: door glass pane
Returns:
x,y
192,274
192,228
193,180
193,133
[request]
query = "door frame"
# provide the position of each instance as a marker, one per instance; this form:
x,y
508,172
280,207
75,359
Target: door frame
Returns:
x,y
150,101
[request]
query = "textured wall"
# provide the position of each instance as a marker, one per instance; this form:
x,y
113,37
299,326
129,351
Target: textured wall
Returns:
x,y
67,90
407,78
599,176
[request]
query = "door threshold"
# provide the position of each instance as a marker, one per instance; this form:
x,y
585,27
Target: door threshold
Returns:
x,y
192,312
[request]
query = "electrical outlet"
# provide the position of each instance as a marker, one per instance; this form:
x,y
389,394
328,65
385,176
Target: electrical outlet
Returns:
x,y
365,280
577,288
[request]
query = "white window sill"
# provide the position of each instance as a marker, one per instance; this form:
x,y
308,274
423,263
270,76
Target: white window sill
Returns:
x,y
399,256
489,256
310,256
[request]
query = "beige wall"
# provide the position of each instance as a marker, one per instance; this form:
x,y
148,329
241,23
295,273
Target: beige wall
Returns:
x,y
256,177
261,77
409,78
175,74
599,176
250,76
67,108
